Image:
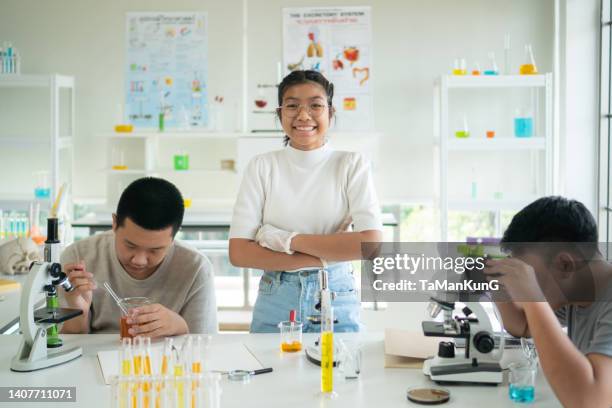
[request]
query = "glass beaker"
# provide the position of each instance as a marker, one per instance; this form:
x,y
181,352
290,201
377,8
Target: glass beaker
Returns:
x,y
476,69
291,336
42,191
349,359
523,123
118,158
521,381
459,66
462,130
128,304
181,161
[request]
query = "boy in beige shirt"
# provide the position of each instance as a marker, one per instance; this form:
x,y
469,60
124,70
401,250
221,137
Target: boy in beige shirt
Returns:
x,y
140,257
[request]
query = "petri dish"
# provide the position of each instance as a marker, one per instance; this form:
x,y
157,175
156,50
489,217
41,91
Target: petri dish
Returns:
x,y
428,395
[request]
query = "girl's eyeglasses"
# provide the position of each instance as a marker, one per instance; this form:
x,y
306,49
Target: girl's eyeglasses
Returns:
x,y
314,109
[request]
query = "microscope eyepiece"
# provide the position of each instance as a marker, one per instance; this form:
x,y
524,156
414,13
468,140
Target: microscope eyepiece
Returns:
x,y
65,283
60,278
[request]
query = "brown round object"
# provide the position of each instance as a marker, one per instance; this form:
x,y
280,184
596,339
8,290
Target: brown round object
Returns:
x,y
428,396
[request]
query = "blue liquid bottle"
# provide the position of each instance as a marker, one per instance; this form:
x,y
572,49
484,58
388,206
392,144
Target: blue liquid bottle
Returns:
x,y
522,393
523,124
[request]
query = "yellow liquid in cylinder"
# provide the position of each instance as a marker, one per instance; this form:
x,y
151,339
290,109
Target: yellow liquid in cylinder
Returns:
x,y
137,365
180,392
125,367
327,361
146,386
528,69
164,365
125,370
147,366
196,368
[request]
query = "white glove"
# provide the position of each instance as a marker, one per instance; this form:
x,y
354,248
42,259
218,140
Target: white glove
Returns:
x,y
275,239
345,224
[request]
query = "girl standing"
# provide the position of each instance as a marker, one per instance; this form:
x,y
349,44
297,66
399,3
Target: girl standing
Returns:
x,y
292,210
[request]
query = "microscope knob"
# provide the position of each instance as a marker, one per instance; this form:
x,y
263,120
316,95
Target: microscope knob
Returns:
x,y
55,270
484,342
446,349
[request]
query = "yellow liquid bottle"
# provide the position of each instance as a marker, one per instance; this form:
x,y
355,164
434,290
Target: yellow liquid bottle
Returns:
x,y
528,69
327,362
529,66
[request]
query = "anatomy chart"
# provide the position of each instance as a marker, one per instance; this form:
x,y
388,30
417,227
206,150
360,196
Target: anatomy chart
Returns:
x,y
167,70
336,41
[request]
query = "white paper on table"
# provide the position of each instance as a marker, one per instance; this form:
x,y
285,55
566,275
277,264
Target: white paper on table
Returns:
x,y
222,357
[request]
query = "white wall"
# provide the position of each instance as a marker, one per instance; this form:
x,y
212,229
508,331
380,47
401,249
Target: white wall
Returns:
x,y
414,42
579,100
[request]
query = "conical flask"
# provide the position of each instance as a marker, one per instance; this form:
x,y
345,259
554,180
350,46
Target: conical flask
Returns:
x,y
528,67
492,69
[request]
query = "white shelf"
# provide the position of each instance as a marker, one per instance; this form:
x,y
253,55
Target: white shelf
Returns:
x,y
173,135
127,171
220,135
195,171
540,167
20,141
51,142
497,143
489,205
35,81
496,81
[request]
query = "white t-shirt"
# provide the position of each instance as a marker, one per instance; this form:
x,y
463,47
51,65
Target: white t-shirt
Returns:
x,y
308,192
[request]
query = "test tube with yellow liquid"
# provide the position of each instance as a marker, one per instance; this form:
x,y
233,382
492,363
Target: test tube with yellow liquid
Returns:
x,y
125,364
196,367
139,360
147,372
178,370
327,337
166,360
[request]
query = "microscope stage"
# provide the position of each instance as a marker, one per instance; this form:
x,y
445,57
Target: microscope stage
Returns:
x,y
58,315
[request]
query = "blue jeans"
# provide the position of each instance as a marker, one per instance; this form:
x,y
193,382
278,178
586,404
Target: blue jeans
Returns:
x,y
280,292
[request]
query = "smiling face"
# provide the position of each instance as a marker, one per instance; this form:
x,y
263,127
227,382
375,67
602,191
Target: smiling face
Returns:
x,y
140,251
305,115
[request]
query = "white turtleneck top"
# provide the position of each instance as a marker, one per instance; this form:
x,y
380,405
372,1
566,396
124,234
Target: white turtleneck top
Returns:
x,y
308,192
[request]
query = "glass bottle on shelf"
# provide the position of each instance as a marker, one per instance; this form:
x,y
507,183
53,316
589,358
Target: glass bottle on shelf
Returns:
x,y
528,67
492,69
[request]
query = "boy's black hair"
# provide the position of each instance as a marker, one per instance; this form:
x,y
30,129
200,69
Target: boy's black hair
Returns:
x,y
551,219
152,203
300,77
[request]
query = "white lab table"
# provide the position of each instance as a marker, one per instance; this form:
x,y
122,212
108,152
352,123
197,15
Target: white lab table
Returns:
x,y
294,382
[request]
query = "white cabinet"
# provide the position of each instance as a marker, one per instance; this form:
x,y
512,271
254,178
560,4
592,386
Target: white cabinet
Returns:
x,y
37,126
216,161
501,173
208,182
